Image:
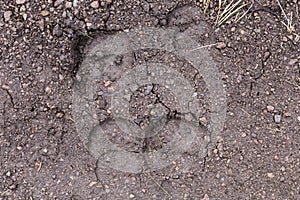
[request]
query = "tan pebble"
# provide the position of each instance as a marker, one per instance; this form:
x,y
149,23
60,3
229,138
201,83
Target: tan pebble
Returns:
x,y
270,108
95,4
206,197
5,87
19,2
59,115
107,83
45,13
293,61
221,45
270,175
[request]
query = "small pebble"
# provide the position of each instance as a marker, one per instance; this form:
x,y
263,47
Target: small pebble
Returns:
x,y
47,89
45,13
148,89
215,151
7,15
57,31
206,197
107,83
293,61
203,121
57,3
298,118
95,4
270,175
131,196
270,108
221,45
277,118
59,115
19,2
8,173
284,39
68,4
5,87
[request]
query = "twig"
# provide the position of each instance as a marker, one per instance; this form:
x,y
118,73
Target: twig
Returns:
x,y
205,46
85,34
163,189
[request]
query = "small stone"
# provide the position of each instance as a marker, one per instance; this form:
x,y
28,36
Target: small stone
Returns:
x,y
93,183
107,83
5,87
293,61
57,31
244,135
57,3
95,4
284,39
131,196
12,187
206,197
276,157
8,174
47,89
277,118
45,13
148,89
215,151
24,16
153,113
7,15
270,175
203,121
19,148
59,115
19,2
298,118
163,22
68,4
221,45
270,108
108,1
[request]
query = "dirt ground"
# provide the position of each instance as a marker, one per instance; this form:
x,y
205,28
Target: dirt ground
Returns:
x,y
42,44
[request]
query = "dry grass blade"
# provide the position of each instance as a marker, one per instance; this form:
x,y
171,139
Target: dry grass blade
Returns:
x,y
163,189
229,11
243,15
206,5
289,22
